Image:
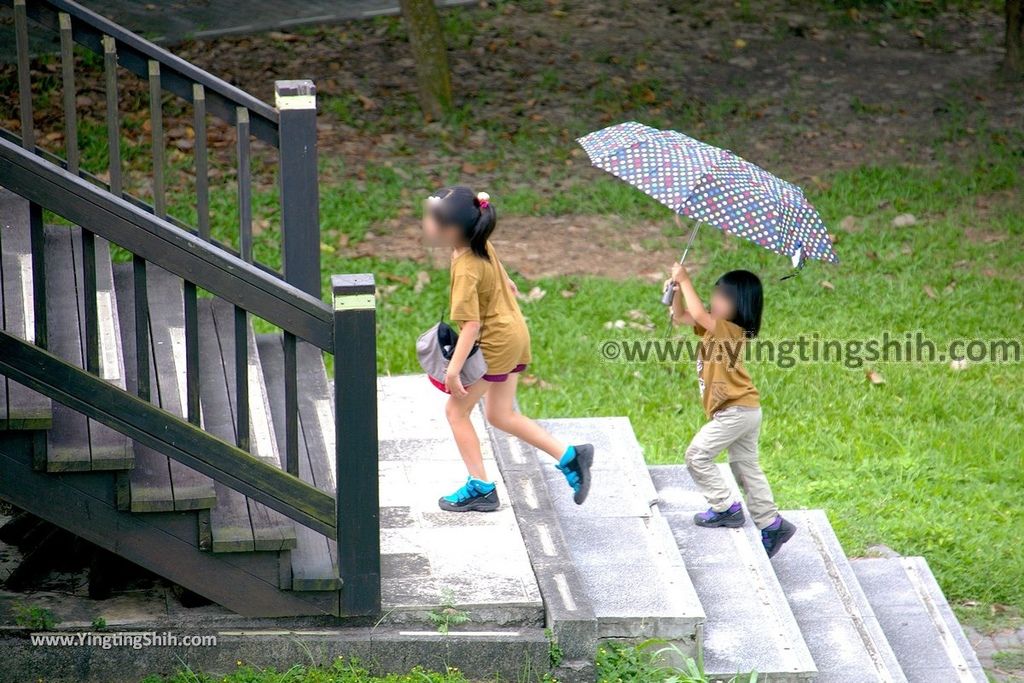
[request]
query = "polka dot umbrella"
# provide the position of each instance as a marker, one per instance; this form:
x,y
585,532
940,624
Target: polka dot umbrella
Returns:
x,y
714,186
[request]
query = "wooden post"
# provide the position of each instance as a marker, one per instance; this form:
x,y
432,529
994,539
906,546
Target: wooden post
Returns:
x,y
300,196
355,418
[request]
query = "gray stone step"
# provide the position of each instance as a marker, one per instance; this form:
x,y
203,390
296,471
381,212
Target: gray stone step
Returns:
x,y
475,561
749,626
837,622
916,619
620,546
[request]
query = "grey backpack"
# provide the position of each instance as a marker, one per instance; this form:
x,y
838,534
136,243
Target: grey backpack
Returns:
x,y
434,350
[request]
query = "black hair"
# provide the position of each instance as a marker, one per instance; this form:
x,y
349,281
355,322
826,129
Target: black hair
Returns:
x,y
460,207
744,288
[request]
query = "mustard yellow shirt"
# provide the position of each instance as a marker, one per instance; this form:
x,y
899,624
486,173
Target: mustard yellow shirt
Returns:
x,y
724,381
480,291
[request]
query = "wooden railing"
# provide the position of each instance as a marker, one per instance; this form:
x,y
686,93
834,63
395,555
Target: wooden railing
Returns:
x,y
290,300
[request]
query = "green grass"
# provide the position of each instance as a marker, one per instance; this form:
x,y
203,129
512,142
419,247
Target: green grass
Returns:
x,y
925,463
341,671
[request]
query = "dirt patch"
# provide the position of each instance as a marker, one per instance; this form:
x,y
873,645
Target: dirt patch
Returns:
x,y
539,247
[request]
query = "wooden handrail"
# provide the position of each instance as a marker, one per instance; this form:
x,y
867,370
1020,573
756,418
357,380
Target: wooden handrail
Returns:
x,y
166,433
166,245
135,52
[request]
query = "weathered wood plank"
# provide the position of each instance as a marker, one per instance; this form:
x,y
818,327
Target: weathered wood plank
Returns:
x,y
190,490
271,530
67,444
25,409
149,482
244,583
314,561
230,527
109,450
142,421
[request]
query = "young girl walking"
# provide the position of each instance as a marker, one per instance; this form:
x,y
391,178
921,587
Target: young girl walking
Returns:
x,y
731,403
483,305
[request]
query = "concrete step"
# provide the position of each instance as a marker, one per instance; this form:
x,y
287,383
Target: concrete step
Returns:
x,y
837,622
476,562
918,622
622,550
749,626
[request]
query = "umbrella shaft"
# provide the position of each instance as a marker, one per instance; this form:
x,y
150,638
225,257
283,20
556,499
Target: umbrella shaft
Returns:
x,y
693,234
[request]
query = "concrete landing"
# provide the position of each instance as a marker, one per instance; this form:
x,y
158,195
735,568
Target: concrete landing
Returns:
x,y
837,622
477,561
917,621
623,550
749,626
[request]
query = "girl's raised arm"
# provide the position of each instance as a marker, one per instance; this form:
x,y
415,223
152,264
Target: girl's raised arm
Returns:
x,y
694,306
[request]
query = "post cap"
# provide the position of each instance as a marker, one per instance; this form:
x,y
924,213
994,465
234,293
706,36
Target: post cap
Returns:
x,y
357,283
299,94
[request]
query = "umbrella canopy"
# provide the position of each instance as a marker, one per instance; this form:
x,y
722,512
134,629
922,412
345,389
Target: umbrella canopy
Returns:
x,y
714,186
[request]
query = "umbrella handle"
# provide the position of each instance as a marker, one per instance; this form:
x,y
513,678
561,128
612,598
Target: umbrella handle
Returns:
x,y
670,290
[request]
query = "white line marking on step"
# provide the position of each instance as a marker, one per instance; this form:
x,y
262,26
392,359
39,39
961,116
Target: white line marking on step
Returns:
x,y
109,367
28,296
563,590
949,644
177,335
547,544
325,417
259,417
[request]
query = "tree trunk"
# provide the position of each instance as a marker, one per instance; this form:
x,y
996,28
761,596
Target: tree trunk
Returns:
x,y
431,55
1014,62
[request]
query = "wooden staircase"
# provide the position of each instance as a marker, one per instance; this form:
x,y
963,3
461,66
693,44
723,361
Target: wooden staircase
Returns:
x,y
139,410
85,477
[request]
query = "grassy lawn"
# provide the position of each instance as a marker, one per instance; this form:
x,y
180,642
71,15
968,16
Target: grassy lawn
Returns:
x,y
930,461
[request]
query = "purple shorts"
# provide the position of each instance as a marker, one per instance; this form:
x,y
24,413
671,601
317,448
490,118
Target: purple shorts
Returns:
x,y
502,378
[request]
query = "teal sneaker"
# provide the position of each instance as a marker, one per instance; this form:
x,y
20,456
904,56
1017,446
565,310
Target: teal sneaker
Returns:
x,y
474,496
575,465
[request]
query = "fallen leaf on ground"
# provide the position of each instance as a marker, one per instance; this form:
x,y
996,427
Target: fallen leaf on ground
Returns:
x,y
568,294
827,285
874,377
535,294
394,277
930,292
422,280
904,220
283,37
950,287
849,224
533,380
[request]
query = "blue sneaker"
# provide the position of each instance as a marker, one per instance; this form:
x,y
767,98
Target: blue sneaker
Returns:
x,y
575,465
732,518
775,534
474,496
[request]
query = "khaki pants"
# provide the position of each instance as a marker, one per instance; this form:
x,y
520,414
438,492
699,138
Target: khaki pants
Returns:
x,y
735,429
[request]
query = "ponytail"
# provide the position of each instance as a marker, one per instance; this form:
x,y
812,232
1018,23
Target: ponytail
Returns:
x,y
484,225
472,214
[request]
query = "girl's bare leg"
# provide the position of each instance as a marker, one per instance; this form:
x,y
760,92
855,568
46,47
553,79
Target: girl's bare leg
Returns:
x,y
457,411
499,407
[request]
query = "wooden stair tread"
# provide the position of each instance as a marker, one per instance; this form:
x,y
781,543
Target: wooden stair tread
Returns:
x,y
81,444
237,524
158,483
20,407
314,561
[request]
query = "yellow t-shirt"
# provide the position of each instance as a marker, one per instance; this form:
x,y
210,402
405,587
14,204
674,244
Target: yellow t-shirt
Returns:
x,y
723,379
480,291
